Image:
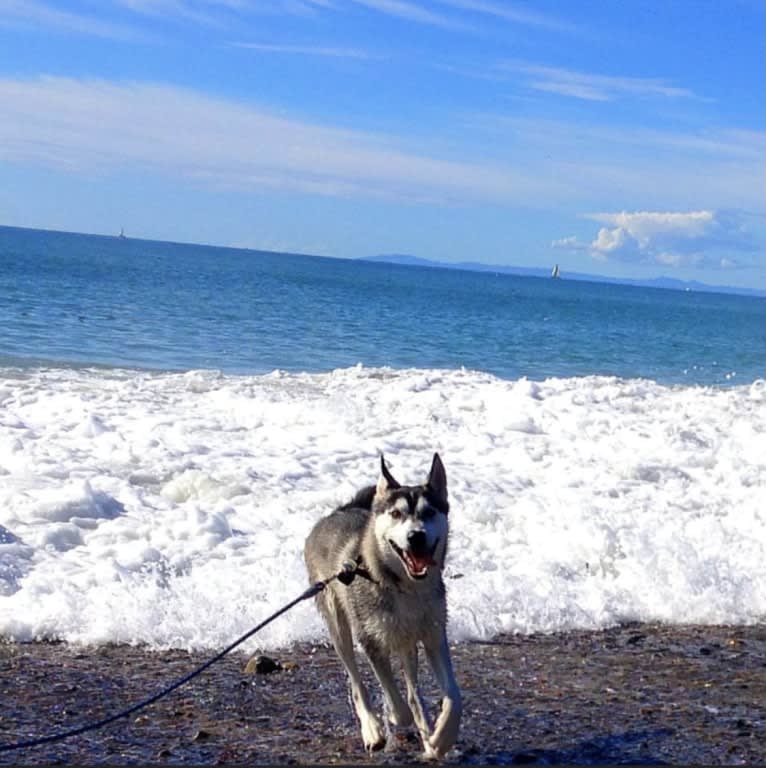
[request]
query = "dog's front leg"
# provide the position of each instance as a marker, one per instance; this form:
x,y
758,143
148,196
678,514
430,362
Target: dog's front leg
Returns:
x,y
415,699
398,711
373,733
447,725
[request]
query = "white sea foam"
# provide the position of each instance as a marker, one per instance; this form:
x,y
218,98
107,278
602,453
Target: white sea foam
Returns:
x,y
171,510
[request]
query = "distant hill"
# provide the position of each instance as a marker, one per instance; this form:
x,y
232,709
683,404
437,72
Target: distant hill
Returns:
x,y
668,283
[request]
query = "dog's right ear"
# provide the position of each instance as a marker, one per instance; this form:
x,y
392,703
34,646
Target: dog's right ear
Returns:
x,y
437,481
386,482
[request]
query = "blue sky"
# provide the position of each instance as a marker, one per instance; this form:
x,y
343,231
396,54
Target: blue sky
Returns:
x,y
618,138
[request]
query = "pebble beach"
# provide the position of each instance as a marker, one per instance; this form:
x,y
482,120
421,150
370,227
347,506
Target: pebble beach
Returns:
x,y
640,694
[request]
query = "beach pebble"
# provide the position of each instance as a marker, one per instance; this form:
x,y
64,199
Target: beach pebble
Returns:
x,y
262,665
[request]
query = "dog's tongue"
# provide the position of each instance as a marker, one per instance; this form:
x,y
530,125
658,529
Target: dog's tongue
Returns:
x,y
419,564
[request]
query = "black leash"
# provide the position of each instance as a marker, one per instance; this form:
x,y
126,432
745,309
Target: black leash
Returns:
x,y
345,576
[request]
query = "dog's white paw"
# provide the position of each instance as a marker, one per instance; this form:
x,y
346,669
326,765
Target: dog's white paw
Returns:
x,y
438,746
445,733
373,734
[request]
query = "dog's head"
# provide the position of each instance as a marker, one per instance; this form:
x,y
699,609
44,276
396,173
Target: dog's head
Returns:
x,y
411,522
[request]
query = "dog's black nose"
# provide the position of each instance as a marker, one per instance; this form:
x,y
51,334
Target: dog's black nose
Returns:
x,y
417,541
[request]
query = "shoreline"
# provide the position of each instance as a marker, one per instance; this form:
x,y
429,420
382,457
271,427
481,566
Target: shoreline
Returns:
x,y
640,693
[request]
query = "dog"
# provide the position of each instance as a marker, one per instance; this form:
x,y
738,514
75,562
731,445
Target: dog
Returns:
x,y
394,538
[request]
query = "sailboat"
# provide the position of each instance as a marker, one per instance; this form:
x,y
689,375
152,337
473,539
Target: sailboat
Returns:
x,y
122,234
556,271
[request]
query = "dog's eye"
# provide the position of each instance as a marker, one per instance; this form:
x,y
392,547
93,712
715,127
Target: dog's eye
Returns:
x,y
395,513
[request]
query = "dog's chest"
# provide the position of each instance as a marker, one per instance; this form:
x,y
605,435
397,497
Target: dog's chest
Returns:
x,y
397,618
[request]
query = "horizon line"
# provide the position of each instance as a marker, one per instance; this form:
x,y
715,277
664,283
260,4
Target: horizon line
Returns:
x,y
395,259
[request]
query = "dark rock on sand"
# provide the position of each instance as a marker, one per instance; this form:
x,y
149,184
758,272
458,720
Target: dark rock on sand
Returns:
x,y
262,665
637,694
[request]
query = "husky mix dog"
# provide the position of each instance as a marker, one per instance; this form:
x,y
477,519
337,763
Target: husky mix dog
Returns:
x,y
396,537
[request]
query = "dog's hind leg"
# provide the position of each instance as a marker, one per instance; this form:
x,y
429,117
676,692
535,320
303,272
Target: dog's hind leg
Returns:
x,y
415,698
373,733
448,722
396,708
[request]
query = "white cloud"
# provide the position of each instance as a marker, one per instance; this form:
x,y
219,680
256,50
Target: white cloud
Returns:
x,y
570,243
308,50
609,240
97,126
220,13
410,12
593,87
30,12
642,168
509,12
671,239
671,259
646,227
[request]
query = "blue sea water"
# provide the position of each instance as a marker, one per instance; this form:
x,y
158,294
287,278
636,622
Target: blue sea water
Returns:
x,y
604,444
80,300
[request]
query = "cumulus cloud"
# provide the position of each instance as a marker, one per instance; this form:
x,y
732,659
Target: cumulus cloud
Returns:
x,y
671,239
646,227
609,240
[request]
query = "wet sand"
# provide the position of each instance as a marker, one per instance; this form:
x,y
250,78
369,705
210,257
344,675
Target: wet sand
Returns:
x,y
634,694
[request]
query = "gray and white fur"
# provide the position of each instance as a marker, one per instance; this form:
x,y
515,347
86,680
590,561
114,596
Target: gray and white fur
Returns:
x,y
400,533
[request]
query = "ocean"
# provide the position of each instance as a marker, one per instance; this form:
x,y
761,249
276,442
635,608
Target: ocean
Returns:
x,y
174,418
80,300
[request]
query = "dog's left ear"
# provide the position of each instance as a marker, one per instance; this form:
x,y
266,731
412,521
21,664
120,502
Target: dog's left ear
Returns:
x,y
437,480
386,482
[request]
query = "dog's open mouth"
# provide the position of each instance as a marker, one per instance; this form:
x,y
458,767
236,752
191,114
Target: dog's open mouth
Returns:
x,y
417,565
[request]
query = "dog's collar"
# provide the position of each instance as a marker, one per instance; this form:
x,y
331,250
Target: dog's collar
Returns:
x,y
353,569
360,569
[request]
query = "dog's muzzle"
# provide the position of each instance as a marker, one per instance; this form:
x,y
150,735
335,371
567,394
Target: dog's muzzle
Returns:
x,y
417,558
